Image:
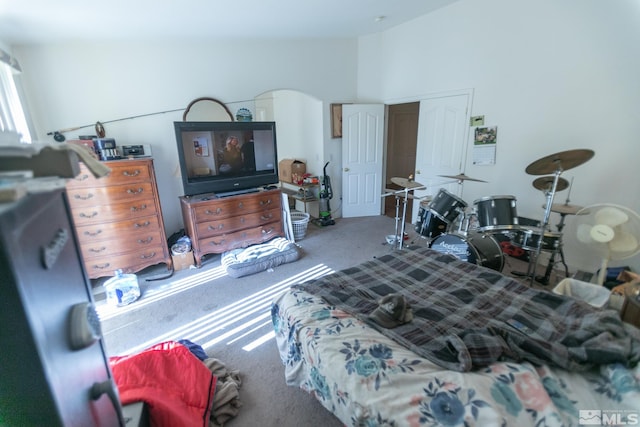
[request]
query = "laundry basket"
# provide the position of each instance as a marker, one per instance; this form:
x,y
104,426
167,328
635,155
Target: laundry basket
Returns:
x,y
299,221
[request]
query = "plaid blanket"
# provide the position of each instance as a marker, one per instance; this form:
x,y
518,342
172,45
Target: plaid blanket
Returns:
x,y
467,316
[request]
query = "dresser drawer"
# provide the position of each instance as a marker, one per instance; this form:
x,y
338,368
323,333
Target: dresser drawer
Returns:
x,y
83,197
240,239
129,263
89,233
231,224
219,209
114,212
117,244
122,172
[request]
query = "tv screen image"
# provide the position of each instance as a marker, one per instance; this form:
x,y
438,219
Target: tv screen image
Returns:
x,y
226,157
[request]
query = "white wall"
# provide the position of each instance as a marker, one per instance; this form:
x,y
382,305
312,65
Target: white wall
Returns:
x,y
72,85
552,75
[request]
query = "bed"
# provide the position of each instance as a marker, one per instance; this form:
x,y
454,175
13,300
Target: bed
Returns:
x,y
471,347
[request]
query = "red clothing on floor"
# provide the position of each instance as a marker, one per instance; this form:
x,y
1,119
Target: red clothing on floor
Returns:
x,y
177,387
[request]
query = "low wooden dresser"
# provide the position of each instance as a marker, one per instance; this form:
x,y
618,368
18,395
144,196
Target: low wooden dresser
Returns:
x,y
118,218
216,225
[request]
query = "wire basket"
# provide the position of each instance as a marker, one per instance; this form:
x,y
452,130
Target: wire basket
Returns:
x,y
299,220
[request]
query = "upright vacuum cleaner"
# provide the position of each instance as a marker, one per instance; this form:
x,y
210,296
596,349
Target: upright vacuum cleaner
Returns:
x,y
326,193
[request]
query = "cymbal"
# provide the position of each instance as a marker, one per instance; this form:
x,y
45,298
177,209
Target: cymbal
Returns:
x,y
461,177
546,183
406,182
562,161
566,209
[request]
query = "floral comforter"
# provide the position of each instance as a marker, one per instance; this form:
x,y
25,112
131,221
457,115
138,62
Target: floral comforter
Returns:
x,y
367,379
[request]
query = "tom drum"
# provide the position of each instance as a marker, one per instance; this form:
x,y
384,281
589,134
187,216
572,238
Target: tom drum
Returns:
x,y
496,213
529,239
447,206
477,248
428,224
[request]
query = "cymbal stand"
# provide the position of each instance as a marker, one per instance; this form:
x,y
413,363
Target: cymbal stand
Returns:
x,y
552,259
558,250
531,270
400,225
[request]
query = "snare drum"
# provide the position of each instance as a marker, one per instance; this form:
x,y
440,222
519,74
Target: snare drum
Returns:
x,y
428,224
529,239
476,248
447,206
496,213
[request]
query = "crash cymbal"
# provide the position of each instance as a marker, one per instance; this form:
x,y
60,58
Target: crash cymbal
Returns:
x,y
406,182
545,183
564,208
562,161
461,177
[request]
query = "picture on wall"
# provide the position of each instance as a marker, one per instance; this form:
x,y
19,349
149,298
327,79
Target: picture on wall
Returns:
x,y
336,120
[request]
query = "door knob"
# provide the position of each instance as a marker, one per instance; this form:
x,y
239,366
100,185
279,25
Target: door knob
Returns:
x,y
346,169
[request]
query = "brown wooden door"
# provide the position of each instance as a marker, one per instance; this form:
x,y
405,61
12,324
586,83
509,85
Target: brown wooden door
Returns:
x,y
402,134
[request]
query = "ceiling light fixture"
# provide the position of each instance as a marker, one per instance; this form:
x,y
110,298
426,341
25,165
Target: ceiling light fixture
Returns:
x,y
380,18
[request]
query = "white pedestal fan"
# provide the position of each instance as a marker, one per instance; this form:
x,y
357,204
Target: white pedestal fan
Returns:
x,y
609,231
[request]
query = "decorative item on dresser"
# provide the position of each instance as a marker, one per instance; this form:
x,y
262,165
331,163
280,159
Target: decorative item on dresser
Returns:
x,y
216,225
118,218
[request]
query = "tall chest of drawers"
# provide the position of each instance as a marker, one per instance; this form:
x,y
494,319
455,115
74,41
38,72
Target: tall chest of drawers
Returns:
x,y
216,225
118,219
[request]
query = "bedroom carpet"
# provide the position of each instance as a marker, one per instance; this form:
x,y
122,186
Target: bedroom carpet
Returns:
x,y
230,318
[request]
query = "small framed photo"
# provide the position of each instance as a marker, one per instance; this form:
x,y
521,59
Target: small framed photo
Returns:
x,y
336,120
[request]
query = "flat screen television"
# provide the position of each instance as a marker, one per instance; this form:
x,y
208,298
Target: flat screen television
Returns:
x,y
226,158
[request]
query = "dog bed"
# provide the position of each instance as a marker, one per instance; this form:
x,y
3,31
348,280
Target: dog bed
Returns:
x,y
257,258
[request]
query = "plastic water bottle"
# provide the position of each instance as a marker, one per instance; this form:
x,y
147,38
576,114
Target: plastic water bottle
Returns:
x,y
122,289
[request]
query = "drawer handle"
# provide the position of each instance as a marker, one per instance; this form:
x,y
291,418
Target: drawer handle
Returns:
x,y
98,250
84,215
132,191
266,217
265,202
269,231
145,241
101,266
79,197
241,205
216,212
134,173
51,252
219,227
144,224
222,242
89,233
151,255
135,208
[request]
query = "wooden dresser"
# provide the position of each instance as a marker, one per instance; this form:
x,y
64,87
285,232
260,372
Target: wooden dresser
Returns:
x,y
118,218
216,225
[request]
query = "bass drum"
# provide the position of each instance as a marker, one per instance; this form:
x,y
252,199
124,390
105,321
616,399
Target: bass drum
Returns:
x,y
477,248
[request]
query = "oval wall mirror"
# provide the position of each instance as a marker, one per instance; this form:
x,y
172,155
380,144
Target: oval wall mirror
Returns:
x,y
207,109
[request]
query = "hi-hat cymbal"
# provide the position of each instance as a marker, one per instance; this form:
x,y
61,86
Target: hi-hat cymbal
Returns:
x,y
545,183
562,161
564,208
406,182
461,177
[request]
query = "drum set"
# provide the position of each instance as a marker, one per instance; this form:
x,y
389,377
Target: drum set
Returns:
x,y
472,234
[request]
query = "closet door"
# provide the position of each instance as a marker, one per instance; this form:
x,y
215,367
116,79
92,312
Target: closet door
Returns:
x,y
443,132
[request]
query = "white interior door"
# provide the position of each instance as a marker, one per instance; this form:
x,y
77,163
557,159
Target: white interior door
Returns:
x,y
443,129
362,155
